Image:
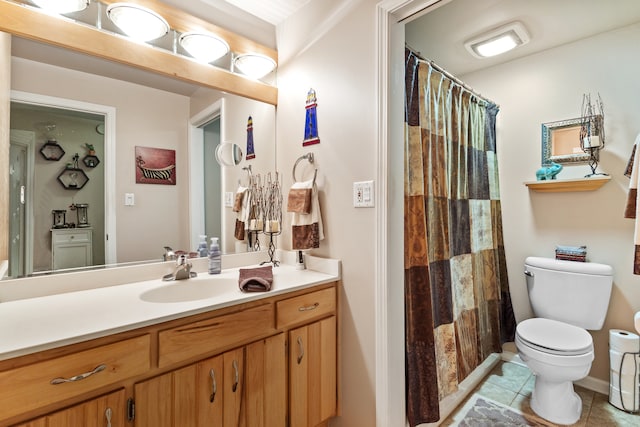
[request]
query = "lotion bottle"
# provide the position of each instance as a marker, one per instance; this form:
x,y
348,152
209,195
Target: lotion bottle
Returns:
x,y
215,259
202,247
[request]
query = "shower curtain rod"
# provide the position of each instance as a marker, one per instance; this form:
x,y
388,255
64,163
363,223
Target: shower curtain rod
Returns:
x,y
451,76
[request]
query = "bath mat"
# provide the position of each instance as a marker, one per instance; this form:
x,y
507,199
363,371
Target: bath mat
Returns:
x,y
481,411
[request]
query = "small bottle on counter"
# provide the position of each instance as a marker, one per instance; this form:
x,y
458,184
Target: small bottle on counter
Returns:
x,y
215,258
203,251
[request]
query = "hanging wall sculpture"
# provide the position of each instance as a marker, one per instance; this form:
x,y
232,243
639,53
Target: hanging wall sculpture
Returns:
x,y
311,120
251,154
155,166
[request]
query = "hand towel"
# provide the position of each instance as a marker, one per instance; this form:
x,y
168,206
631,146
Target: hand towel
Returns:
x,y
306,229
243,195
299,200
632,206
257,279
237,204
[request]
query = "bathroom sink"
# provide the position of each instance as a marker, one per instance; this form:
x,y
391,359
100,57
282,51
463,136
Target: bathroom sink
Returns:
x,y
637,321
191,290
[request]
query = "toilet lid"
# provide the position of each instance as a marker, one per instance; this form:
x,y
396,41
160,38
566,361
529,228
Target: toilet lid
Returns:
x,y
551,336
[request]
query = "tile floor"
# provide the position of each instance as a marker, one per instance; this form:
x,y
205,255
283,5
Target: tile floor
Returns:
x,y
511,383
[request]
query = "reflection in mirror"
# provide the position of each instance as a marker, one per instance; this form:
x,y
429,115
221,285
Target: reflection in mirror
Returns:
x,y
229,154
44,212
151,112
561,142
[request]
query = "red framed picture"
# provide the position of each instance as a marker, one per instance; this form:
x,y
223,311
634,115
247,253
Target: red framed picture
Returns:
x,y
155,166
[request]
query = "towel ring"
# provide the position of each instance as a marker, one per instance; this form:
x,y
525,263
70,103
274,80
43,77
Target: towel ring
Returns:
x,y
309,158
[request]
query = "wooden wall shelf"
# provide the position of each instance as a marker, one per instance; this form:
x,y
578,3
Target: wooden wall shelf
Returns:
x,y
564,185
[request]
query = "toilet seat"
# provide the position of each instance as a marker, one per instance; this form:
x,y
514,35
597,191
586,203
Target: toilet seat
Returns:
x,y
554,337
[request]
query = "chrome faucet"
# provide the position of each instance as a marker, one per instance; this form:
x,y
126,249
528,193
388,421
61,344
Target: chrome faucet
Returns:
x,y
169,254
182,271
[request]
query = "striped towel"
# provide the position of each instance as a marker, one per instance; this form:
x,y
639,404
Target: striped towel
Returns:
x,y
632,209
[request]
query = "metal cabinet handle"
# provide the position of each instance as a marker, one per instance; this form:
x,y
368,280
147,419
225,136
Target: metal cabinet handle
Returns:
x,y
107,415
235,376
214,385
309,307
301,350
528,273
78,377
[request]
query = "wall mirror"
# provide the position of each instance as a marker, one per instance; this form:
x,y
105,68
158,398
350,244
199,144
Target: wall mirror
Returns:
x,y
561,142
229,154
155,111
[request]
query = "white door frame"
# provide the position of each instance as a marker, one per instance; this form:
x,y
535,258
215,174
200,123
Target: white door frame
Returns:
x,y
27,139
389,287
196,168
109,114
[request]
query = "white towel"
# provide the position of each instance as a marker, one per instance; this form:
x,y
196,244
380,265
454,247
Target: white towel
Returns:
x,y
306,229
632,209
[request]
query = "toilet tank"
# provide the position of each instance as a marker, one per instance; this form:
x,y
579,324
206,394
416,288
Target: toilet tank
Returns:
x,y
573,292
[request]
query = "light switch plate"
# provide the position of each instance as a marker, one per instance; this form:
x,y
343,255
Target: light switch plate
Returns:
x,y
129,199
363,194
228,199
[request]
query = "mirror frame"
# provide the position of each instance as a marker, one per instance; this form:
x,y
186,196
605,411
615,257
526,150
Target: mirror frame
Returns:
x,y
547,137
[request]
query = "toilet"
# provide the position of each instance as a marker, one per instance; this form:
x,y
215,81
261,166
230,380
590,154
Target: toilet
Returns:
x,y
568,298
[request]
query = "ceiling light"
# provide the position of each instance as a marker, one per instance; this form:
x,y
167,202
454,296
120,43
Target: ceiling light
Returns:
x,y
254,65
137,22
497,41
204,47
62,6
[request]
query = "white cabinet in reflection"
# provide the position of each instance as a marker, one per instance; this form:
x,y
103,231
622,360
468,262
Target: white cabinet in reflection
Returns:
x,y
71,248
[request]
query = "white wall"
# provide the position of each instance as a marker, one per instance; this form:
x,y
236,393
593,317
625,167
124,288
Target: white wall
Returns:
x,y
330,47
548,87
144,117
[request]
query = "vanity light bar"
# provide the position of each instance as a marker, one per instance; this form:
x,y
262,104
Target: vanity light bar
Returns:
x,y
144,25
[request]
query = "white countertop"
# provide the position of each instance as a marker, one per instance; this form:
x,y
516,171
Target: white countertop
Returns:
x,y
43,322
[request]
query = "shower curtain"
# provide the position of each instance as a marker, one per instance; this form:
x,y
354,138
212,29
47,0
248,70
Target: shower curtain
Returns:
x,y
457,304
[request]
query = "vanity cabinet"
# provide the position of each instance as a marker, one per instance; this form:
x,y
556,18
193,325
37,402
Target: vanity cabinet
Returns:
x,y
245,386
71,248
312,356
103,411
265,363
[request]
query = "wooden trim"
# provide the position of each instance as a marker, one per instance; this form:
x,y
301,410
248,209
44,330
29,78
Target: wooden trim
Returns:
x,y
34,25
564,185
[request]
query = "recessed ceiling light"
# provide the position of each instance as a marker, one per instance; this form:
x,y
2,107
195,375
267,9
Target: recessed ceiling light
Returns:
x,y
254,65
62,6
204,47
137,22
497,41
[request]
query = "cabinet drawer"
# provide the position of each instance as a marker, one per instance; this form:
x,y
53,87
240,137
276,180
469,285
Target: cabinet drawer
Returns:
x,y
205,337
30,387
79,236
305,308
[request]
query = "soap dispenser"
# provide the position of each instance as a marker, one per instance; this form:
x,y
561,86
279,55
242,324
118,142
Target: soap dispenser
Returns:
x,y
203,251
215,259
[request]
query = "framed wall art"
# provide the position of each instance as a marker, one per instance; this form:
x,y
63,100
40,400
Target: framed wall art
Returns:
x,y
155,166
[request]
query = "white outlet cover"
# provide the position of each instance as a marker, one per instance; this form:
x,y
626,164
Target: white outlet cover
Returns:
x,y
363,194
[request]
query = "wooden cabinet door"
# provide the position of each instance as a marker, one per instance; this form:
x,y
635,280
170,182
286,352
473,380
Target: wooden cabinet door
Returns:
x,y
242,387
312,373
94,413
265,383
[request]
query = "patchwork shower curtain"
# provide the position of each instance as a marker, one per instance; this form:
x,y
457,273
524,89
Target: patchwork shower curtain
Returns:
x,y
457,303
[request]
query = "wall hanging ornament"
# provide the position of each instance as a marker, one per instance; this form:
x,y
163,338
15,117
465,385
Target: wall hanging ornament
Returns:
x,y
250,149
155,166
311,120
